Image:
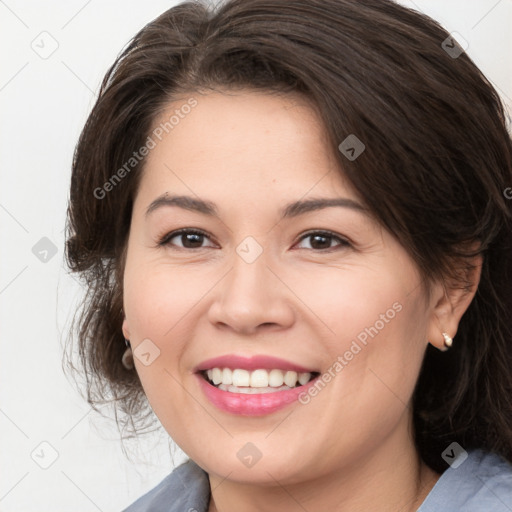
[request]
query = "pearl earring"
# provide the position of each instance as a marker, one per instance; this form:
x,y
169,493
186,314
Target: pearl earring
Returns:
x,y
448,341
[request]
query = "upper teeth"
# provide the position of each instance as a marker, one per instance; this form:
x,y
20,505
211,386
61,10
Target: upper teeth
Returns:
x,y
257,378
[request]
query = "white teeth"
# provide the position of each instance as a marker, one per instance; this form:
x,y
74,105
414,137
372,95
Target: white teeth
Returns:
x,y
290,379
240,378
304,378
263,380
251,391
227,376
259,379
216,376
275,378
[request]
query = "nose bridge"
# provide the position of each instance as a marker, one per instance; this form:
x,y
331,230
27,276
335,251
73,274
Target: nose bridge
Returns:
x,y
248,284
250,270
250,294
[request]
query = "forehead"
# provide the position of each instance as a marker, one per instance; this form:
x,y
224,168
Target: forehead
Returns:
x,y
246,139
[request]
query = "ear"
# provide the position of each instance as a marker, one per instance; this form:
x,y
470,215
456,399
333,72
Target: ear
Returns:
x,y
450,300
126,330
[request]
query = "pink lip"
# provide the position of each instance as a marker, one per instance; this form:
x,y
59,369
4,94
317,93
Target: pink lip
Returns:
x,y
251,405
250,363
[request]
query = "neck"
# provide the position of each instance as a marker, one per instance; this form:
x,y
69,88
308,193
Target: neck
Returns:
x,y
392,475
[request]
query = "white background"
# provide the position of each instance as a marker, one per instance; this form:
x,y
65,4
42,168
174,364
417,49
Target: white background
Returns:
x,y
44,104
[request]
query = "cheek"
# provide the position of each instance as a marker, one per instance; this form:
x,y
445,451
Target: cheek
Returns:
x,y
375,325
162,304
382,359
350,300
158,301
374,354
157,298
154,305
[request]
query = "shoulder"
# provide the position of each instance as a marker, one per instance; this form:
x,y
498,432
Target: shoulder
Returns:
x,y
482,481
186,488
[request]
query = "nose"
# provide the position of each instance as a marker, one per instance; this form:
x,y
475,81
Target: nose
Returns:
x,y
252,297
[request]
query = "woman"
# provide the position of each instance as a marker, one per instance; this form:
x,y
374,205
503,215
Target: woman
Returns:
x,y
293,224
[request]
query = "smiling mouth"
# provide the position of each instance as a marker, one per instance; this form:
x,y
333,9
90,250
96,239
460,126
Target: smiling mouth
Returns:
x,y
256,381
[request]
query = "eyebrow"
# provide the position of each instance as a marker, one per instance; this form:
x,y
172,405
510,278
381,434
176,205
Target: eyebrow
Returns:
x,y
290,210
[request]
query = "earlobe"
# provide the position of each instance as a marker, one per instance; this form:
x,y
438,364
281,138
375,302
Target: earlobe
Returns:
x,y
450,301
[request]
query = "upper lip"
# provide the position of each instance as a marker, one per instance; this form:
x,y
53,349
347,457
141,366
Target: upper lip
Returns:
x,y
250,363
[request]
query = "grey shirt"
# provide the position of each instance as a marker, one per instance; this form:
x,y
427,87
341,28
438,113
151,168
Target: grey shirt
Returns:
x,y
482,483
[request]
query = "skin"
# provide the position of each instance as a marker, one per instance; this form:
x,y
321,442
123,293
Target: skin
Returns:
x,y
351,447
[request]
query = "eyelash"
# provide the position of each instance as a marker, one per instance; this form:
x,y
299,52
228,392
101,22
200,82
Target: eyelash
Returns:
x,y
165,239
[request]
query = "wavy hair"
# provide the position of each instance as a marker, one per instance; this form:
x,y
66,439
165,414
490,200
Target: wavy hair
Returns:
x,y
437,163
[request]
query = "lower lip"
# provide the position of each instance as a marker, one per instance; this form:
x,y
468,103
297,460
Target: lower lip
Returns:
x,y
251,405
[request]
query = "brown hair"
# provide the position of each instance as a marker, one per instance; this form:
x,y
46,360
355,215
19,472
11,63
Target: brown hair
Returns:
x,y
437,161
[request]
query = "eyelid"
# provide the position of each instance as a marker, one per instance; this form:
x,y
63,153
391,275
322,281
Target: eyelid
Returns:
x,y
343,241
164,239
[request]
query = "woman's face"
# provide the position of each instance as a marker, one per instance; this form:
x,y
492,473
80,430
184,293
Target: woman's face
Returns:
x,y
264,279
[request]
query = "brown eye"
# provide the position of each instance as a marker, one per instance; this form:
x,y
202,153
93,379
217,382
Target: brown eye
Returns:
x,y
322,240
188,239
